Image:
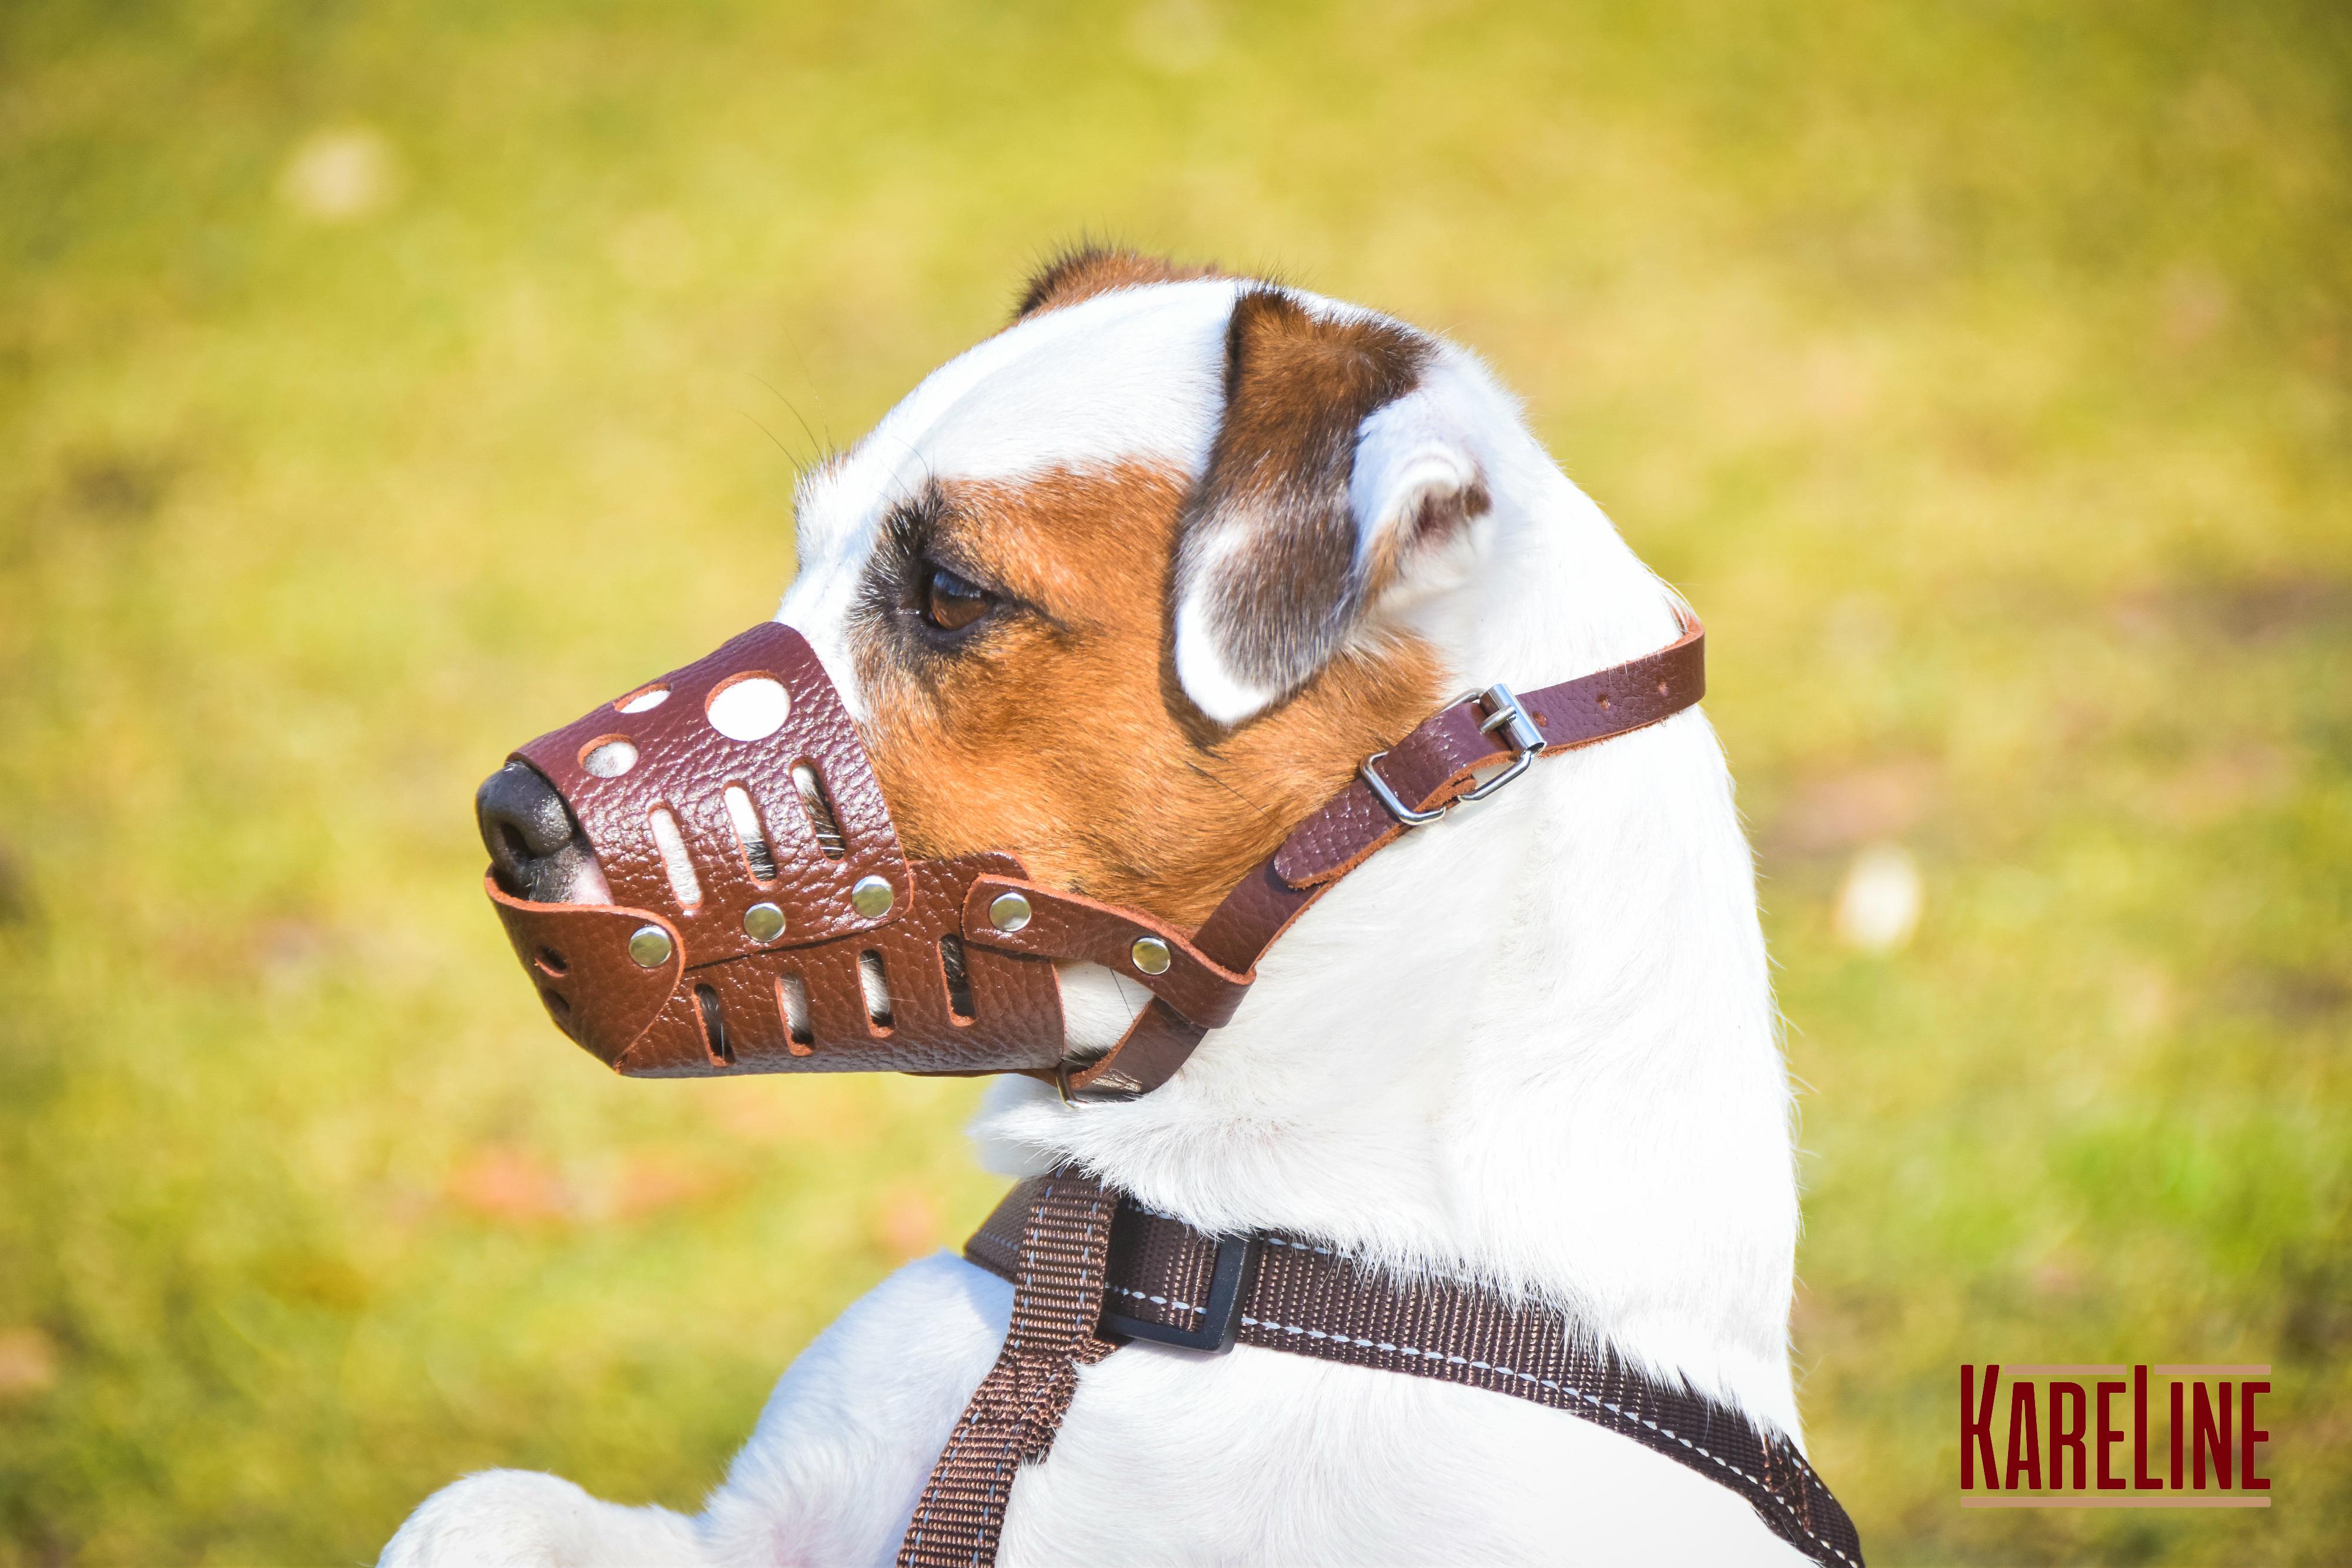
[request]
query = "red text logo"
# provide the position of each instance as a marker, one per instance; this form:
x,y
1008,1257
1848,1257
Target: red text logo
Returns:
x,y
2112,1437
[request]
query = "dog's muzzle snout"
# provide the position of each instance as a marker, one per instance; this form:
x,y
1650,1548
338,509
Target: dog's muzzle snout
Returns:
x,y
536,850
702,876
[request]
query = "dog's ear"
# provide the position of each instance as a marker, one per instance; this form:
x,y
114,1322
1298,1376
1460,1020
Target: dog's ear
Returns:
x,y
1330,481
1087,270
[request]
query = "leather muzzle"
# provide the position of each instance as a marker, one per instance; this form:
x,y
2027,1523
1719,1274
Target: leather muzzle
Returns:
x,y
765,917
783,929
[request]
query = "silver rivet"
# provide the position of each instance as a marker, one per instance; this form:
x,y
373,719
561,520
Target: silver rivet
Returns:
x,y
872,897
764,922
1151,955
1008,912
650,946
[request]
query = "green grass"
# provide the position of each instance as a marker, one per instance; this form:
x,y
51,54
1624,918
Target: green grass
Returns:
x,y
1981,372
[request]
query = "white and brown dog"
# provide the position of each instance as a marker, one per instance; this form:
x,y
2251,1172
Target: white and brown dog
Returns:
x,y
1128,590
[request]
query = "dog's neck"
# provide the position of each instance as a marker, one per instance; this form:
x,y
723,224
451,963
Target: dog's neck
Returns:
x,y
1534,1043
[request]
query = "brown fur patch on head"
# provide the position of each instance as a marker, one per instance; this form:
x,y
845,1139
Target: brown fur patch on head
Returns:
x,y
1092,269
1058,732
1270,537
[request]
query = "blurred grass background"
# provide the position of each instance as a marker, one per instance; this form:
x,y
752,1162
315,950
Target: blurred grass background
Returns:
x,y
381,384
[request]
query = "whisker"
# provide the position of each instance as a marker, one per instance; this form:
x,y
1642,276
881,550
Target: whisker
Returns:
x,y
814,444
797,469
1229,790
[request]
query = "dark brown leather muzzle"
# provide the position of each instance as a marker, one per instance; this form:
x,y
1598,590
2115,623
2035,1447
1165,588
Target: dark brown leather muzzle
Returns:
x,y
784,929
766,919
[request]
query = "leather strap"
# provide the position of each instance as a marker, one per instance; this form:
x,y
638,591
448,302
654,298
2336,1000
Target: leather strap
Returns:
x,y
1432,766
1059,924
1428,770
1163,1281
1060,1238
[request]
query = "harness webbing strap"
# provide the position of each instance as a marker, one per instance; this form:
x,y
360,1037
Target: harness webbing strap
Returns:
x,y
1062,1238
1162,1280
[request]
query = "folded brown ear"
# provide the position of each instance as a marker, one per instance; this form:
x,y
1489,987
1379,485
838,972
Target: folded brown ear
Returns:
x,y
1092,269
1267,577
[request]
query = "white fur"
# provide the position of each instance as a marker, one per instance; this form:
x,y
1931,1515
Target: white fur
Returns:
x,y
1534,1044
1208,677
1133,374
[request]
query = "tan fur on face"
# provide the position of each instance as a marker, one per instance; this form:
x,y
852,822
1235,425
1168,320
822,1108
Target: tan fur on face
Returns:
x,y
1068,742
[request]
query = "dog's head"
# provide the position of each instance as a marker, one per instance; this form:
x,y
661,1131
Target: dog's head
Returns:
x,y
1125,592
1129,588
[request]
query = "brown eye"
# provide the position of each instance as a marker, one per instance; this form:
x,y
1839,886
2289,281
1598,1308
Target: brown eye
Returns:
x,y
950,603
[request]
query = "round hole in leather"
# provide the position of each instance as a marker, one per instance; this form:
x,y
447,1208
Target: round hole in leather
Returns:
x,y
749,707
609,757
645,699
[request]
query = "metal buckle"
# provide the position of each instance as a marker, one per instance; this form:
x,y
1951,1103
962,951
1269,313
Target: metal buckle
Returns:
x,y
1220,1316
1395,808
1503,712
1505,715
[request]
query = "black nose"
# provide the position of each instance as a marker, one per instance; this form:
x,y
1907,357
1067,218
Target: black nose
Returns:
x,y
536,852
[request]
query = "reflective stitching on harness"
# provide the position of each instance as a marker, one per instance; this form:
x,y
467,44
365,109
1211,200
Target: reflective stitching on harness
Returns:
x,y
1011,1454
1558,1389
1158,1300
1464,1280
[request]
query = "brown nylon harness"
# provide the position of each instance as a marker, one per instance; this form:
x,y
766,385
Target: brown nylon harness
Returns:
x,y
1091,1270
762,902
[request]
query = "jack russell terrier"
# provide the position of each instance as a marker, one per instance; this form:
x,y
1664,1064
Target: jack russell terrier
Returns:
x,y
1118,647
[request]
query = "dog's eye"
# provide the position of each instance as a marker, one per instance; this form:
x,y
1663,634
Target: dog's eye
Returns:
x,y
950,603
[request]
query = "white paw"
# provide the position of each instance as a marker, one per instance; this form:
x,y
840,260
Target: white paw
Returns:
x,y
523,1518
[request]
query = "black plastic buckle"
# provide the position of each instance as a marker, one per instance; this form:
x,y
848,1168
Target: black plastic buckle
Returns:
x,y
1221,1319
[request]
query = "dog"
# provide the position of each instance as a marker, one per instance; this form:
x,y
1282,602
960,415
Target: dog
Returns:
x,y
1128,588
